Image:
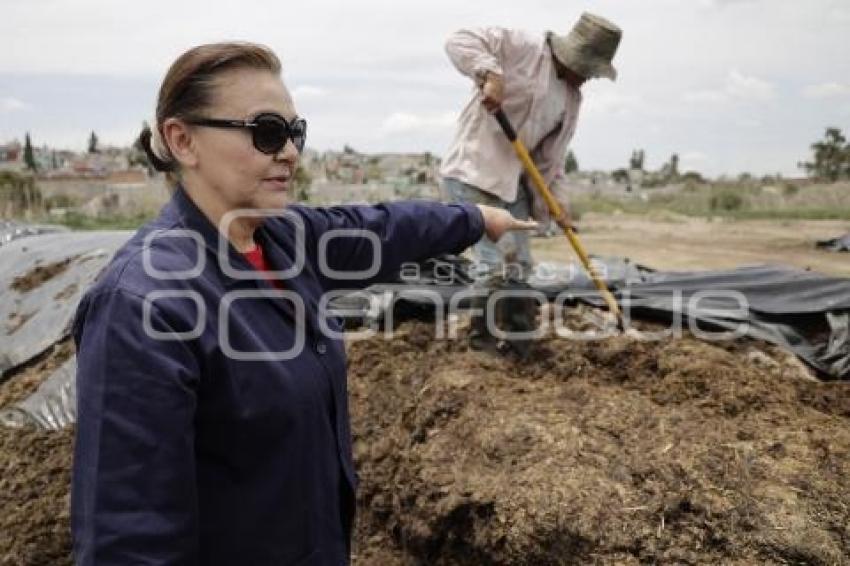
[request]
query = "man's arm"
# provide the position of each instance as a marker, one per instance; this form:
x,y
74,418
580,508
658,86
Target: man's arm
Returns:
x,y
475,52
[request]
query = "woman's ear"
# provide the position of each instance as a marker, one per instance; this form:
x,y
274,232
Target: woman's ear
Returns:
x,y
178,136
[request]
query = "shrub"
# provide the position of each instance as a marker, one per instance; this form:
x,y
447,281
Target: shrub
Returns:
x,y
726,201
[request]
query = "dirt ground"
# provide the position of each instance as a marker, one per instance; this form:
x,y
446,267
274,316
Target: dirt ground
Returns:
x,y
668,241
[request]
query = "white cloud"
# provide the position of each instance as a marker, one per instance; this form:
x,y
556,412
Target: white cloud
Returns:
x,y
694,156
749,122
12,104
826,90
709,96
410,123
601,98
840,12
308,92
749,88
738,87
692,160
723,3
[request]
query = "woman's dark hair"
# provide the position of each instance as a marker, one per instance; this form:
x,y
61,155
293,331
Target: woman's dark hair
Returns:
x,y
188,89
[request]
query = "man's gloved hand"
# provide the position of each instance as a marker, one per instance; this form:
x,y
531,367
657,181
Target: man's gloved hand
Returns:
x,y
492,91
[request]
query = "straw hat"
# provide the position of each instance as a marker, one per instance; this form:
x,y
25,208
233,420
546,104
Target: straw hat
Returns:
x,y
589,48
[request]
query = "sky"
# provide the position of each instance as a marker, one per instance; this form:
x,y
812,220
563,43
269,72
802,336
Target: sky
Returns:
x,y
729,85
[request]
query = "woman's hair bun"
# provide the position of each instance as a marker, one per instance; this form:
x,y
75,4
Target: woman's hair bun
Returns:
x,y
146,139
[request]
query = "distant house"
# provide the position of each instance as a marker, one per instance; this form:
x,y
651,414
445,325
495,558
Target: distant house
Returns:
x,y
11,151
89,165
12,156
43,158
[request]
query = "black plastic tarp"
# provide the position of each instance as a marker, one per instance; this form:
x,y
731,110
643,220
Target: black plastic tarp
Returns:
x,y
806,312
803,311
839,244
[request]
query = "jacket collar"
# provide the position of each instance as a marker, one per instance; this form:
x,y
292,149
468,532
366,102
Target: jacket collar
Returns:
x,y
183,212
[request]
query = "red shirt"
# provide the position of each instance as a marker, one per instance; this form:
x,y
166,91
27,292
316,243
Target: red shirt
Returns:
x,y
257,258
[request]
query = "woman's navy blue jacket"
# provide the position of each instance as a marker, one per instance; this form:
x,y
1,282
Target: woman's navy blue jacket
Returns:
x,y
205,435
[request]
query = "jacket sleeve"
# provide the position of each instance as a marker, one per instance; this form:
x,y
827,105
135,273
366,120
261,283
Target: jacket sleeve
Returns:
x,y
380,238
475,51
133,482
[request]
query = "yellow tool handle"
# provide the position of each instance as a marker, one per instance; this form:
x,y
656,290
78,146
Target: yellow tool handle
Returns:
x,y
557,212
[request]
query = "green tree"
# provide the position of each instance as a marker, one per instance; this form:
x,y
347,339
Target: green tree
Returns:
x,y
571,163
620,175
726,200
692,177
674,166
637,159
93,143
29,155
670,170
831,157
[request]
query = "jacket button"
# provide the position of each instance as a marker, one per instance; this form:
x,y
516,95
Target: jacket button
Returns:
x,y
321,348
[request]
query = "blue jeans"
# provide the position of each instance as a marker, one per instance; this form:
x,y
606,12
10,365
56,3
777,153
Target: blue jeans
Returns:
x,y
511,255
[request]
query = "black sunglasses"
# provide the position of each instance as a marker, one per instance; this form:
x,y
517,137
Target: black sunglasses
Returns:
x,y
269,132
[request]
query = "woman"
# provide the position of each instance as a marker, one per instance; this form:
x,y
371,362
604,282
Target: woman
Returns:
x,y
213,422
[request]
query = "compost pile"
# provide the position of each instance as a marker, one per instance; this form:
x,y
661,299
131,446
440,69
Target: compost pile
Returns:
x,y
605,451
34,495
35,475
613,451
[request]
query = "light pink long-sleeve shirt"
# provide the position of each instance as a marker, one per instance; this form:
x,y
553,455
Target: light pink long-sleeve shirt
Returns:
x,y
542,108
